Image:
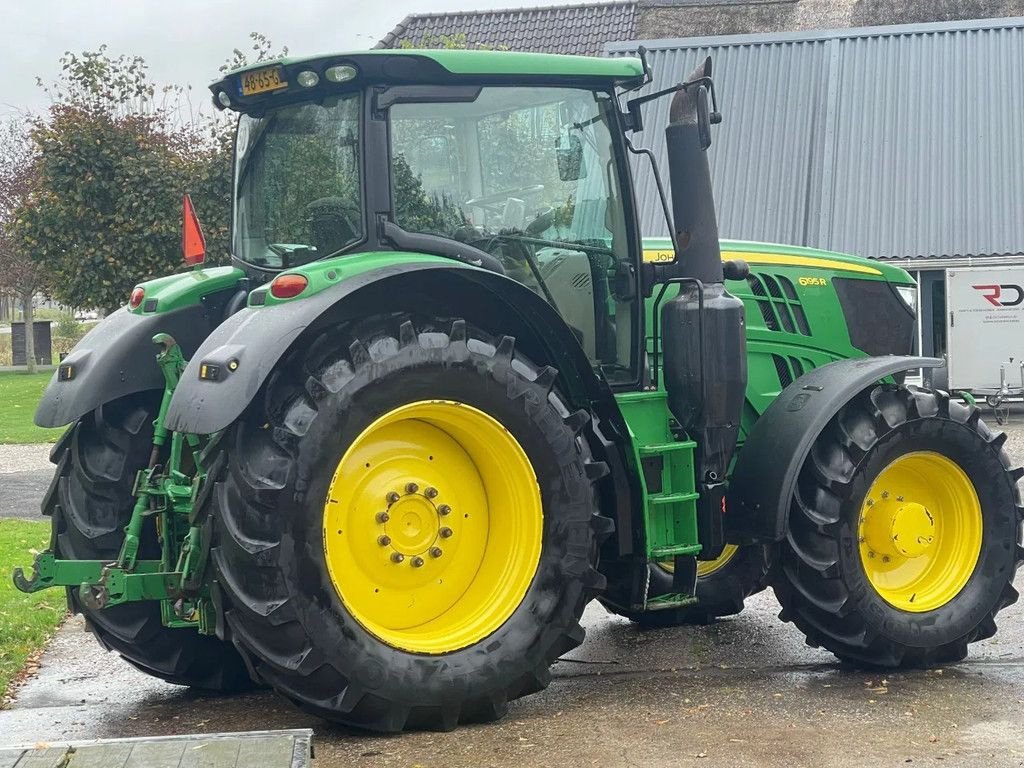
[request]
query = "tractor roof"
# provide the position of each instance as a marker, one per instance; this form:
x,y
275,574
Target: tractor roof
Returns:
x,y
432,67
476,62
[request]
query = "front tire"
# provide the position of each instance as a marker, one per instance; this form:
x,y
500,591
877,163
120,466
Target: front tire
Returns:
x,y
904,532
406,526
90,501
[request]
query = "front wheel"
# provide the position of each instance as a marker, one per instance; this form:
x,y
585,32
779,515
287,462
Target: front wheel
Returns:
x,y
904,532
406,527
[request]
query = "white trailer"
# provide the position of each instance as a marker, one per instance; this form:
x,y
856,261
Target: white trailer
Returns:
x,y
985,331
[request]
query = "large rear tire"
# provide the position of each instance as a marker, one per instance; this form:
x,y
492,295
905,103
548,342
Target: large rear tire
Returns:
x,y
90,501
904,532
406,526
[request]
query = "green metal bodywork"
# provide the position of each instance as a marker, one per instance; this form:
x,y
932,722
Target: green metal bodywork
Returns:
x,y
329,272
670,514
185,289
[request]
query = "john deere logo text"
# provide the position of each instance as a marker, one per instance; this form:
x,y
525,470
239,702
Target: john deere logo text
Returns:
x,y
1001,295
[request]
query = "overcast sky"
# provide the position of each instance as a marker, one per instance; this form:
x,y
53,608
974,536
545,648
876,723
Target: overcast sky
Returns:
x,y
185,41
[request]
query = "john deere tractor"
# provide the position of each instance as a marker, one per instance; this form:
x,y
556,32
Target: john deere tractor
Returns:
x,y
445,396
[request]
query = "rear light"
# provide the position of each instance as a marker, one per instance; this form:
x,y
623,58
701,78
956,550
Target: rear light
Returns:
x,y
136,298
288,286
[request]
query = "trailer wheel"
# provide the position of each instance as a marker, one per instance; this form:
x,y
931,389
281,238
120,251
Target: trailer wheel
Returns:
x,y
904,532
90,501
407,529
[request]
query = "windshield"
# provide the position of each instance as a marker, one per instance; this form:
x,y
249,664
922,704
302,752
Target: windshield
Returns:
x,y
528,161
297,176
531,176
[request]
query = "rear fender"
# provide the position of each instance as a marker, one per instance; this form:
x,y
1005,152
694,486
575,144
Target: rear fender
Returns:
x,y
240,354
246,348
116,358
764,479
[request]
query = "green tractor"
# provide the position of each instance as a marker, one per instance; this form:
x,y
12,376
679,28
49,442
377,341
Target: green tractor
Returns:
x,y
446,396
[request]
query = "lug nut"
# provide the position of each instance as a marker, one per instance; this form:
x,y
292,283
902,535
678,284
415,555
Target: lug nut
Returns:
x,y
435,552
430,493
871,502
885,494
417,561
446,532
397,557
444,509
392,497
383,517
411,488
900,498
384,540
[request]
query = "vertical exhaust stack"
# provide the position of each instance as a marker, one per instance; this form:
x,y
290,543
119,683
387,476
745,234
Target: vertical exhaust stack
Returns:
x,y
704,340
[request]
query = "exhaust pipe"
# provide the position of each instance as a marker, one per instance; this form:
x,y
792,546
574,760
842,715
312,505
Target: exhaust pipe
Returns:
x,y
704,339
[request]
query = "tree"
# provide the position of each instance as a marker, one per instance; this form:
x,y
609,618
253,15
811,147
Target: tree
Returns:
x,y
20,275
114,157
115,154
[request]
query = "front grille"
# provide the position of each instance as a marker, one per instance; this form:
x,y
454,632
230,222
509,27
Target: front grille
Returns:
x,y
790,368
779,304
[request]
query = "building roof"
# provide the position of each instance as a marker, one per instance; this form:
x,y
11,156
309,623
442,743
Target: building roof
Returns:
x,y
574,29
898,142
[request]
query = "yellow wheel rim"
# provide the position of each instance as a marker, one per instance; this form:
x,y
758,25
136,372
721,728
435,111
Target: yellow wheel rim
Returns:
x,y
432,526
707,567
920,531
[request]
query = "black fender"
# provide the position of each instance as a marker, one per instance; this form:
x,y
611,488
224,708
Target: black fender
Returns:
x,y
116,358
244,349
247,346
764,478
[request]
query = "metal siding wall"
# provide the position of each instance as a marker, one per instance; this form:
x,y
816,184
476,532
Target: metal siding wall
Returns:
x,y
881,143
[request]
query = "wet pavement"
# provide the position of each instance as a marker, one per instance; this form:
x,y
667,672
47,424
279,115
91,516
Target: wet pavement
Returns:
x,y
745,691
742,692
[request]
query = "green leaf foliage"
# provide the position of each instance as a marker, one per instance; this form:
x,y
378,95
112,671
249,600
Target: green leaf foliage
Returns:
x,y
115,157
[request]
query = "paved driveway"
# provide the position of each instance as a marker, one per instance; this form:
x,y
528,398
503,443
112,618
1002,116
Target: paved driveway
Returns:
x,y
742,692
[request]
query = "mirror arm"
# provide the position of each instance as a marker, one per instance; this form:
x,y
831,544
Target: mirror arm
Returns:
x,y
634,120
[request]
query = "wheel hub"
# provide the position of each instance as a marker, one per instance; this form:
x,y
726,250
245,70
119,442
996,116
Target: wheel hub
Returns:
x,y
913,529
413,523
920,531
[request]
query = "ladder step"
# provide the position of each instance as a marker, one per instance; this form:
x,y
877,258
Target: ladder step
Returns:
x,y
672,498
659,449
661,602
671,550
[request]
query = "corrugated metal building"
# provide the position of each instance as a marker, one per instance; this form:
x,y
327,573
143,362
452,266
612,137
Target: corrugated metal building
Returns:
x,y
902,143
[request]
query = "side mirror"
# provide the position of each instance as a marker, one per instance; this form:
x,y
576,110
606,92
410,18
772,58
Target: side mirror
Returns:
x,y
703,117
569,152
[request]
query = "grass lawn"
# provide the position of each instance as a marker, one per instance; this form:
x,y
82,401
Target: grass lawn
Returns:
x,y
26,621
19,394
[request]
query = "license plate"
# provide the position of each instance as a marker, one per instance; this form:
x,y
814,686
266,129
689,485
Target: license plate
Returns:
x,y
262,80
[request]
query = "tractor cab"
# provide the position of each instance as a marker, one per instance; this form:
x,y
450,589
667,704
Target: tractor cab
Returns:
x,y
530,180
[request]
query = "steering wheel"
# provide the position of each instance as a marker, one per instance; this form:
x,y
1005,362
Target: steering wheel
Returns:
x,y
494,202
332,224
